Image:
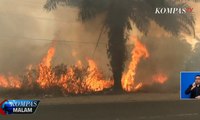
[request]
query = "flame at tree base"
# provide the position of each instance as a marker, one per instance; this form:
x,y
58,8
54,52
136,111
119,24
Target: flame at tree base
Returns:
x,y
78,79
128,79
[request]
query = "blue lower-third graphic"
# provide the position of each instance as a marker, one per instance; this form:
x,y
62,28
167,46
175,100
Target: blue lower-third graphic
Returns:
x,y
18,106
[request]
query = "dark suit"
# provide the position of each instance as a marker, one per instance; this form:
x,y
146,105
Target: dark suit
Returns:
x,y
193,93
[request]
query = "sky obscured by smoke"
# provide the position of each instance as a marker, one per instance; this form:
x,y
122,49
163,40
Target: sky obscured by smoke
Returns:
x,y
27,30
23,24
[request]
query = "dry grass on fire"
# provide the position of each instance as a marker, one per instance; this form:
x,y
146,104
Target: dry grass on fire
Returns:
x,y
75,83
44,80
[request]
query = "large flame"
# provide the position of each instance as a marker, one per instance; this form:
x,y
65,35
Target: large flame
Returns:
x,y
77,78
128,79
46,76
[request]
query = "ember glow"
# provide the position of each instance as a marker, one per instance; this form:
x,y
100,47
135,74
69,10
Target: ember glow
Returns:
x,y
160,78
129,83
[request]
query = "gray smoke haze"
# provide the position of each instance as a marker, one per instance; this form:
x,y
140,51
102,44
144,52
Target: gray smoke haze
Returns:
x,y
168,55
27,30
80,39
23,23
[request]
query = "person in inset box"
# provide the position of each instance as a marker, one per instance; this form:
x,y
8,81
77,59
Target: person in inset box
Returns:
x,y
194,89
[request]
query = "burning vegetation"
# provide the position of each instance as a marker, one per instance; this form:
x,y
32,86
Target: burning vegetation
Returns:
x,y
76,79
79,78
128,79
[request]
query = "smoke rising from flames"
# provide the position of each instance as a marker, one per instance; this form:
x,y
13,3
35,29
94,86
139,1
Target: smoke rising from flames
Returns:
x,y
167,55
79,79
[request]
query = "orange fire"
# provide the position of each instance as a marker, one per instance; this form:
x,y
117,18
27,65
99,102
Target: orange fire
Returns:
x,y
81,78
9,82
89,80
94,80
77,78
46,61
160,78
128,79
46,76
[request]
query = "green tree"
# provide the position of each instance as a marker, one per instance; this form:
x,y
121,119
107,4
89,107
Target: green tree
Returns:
x,y
118,17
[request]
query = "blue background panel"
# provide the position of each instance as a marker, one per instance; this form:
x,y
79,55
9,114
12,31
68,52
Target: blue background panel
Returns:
x,y
187,78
